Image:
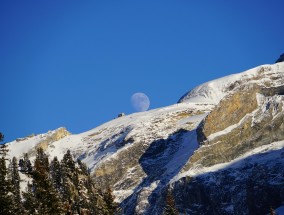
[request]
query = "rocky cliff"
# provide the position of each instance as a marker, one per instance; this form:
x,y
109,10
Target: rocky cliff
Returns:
x,y
219,150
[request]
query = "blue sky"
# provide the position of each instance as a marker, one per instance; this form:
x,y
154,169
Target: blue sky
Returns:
x,y
77,63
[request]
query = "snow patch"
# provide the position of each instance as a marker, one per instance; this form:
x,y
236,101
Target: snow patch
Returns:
x,y
196,171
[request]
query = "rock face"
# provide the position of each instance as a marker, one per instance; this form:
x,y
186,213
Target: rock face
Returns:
x,y
220,150
249,186
280,59
53,137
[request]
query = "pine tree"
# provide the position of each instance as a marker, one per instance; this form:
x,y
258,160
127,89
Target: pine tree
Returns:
x,y
30,202
83,197
14,178
55,172
68,161
3,150
111,206
272,211
66,184
25,165
44,192
83,168
5,187
1,137
6,200
93,196
170,208
70,182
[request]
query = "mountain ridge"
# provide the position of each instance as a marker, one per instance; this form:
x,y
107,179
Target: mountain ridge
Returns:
x,y
143,155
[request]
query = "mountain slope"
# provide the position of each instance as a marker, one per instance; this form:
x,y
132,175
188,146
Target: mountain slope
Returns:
x,y
217,131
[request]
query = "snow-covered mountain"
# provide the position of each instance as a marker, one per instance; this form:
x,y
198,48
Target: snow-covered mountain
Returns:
x,y
220,149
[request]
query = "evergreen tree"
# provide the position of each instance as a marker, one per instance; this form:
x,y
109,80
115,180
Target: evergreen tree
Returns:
x,y
170,208
30,202
66,184
46,195
1,137
3,150
41,162
71,185
272,211
55,172
83,197
14,178
68,180
6,201
93,195
25,165
67,188
68,161
111,206
83,168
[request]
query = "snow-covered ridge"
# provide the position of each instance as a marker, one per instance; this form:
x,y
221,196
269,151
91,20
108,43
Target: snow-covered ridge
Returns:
x,y
24,145
262,153
213,91
141,154
100,143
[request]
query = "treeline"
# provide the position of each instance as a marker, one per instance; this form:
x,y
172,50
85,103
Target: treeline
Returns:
x,y
50,187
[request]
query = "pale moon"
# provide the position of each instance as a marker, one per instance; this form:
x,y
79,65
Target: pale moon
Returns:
x,y
140,102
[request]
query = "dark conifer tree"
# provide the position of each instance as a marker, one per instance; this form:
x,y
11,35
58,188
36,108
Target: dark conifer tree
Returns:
x,y
170,208
83,168
6,201
67,169
44,192
3,150
68,161
14,178
66,184
272,211
55,172
25,165
93,196
66,180
111,206
69,190
1,137
30,202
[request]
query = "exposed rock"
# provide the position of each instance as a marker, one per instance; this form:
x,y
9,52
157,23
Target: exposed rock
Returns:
x,y
248,187
258,127
220,151
47,140
228,112
25,138
56,135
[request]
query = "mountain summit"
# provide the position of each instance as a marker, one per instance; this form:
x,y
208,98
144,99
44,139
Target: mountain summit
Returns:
x,y
219,150
280,59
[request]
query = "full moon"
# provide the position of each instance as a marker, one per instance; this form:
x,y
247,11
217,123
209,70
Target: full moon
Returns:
x,y
140,102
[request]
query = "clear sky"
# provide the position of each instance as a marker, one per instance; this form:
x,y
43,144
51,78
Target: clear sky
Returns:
x,y
77,63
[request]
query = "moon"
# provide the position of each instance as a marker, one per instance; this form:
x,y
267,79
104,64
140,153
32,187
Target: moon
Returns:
x,y
140,102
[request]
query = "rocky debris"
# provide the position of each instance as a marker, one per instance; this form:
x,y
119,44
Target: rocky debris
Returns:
x,y
280,59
